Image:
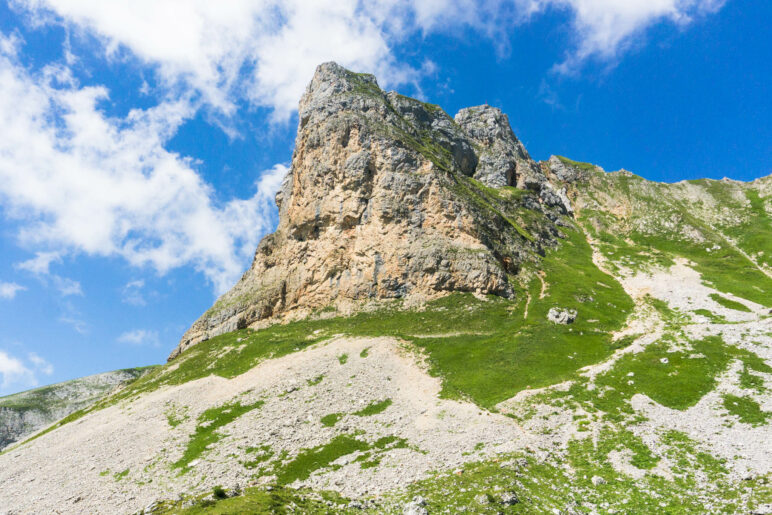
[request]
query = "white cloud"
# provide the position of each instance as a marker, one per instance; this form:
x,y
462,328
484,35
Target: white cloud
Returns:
x,y
132,293
40,264
140,337
14,373
206,45
266,50
80,182
9,290
41,364
606,28
17,375
66,286
76,323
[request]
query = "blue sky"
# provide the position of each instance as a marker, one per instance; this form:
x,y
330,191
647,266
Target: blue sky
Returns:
x,y
141,141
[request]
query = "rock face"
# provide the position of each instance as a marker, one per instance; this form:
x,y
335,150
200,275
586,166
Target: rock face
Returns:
x,y
385,199
24,413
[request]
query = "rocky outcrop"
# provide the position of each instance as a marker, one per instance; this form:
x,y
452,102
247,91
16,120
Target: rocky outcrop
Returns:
x,y
561,315
503,160
24,413
389,197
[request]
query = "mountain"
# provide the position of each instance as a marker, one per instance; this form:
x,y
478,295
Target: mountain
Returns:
x,y
381,191
442,324
24,413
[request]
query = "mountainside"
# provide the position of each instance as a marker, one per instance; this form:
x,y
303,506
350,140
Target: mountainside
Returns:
x,y
24,413
441,324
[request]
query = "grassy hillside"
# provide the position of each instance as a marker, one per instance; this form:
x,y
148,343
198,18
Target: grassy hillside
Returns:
x,y
723,227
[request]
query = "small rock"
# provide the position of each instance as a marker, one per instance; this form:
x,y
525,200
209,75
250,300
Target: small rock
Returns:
x,y
509,498
597,480
664,361
561,316
416,507
481,499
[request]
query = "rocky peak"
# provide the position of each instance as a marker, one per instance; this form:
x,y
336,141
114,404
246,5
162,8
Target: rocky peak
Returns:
x,y
381,203
503,159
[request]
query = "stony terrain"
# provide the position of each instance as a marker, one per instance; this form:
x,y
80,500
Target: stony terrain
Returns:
x,y
24,413
442,325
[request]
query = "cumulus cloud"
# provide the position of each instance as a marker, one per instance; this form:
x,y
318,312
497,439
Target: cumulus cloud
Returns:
x,y
81,182
9,290
15,374
266,50
140,337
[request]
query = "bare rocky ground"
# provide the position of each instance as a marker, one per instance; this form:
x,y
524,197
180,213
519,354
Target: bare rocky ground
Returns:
x,y
137,437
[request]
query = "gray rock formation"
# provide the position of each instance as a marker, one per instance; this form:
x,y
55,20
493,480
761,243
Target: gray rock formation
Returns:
x,y
503,160
380,203
24,413
561,315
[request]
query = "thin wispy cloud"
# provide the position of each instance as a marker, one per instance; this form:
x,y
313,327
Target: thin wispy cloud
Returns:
x,y
131,293
140,337
16,374
9,290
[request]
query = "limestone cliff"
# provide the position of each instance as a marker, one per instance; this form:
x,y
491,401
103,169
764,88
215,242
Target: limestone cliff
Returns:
x,y
389,197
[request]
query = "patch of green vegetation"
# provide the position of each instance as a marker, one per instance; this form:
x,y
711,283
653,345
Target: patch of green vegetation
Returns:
x,y
309,460
315,381
105,472
174,418
342,359
374,408
218,492
206,433
753,236
729,303
263,501
714,319
750,381
516,354
544,487
259,454
677,380
331,419
686,457
590,456
364,352
587,167
746,409
120,475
